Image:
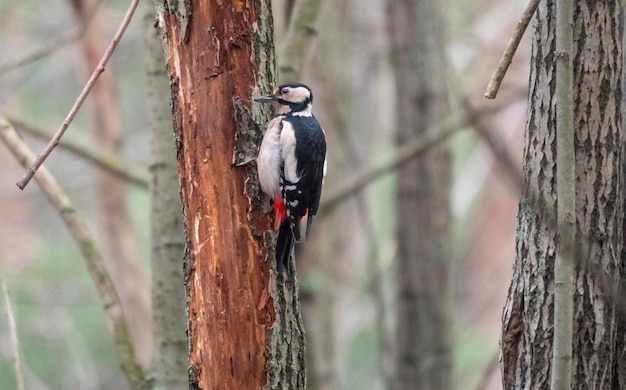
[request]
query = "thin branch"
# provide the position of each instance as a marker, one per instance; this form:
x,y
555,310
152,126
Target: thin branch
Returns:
x,y
565,260
409,150
15,344
300,38
507,57
403,154
495,144
111,163
91,254
81,98
47,48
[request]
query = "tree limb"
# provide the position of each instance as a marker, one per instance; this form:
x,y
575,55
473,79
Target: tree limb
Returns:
x,y
300,38
415,148
81,98
47,48
495,144
15,344
91,254
507,57
565,260
111,163
411,149
41,52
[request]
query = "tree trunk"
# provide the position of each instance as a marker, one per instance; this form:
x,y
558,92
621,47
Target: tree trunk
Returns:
x,y
422,348
169,356
124,264
245,329
528,313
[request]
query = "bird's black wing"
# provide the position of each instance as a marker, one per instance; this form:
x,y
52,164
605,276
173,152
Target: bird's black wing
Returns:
x,y
304,196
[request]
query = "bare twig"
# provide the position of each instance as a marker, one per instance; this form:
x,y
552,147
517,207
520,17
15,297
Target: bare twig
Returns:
x,y
124,259
300,38
416,147
507,57
92,256
409,150
81,98
495,144
15,344
109,162
47,48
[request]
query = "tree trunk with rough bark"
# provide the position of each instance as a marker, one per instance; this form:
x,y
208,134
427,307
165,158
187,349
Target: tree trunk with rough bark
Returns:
x,y
125,265
244,324
528,314
422,348
169,355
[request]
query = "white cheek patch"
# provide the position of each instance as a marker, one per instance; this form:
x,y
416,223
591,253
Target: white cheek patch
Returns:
x,y
299,94
288,152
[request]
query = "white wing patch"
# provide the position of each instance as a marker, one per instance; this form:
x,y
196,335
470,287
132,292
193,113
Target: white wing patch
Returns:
x,y
268,161
288,152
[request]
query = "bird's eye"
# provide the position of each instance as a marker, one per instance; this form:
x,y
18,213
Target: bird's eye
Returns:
x,y
284,91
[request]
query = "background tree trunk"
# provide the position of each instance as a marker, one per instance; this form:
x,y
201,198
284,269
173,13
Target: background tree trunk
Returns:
x,y
528,314
126,269
170,352
422,349
245,329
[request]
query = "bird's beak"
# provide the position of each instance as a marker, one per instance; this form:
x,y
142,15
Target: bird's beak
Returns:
x,y
265,99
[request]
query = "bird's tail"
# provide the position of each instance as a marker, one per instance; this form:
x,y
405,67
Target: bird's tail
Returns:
x,y
281,212
283,246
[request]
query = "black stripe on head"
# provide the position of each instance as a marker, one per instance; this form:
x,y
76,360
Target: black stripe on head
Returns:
x,y
296,96
297,85
295,107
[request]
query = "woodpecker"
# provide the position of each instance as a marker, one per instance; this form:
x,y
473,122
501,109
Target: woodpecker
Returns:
x,y
292,164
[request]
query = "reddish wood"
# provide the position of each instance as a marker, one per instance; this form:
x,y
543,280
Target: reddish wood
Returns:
x,y
230,310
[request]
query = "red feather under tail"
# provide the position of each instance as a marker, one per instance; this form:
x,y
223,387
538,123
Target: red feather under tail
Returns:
x,y
281,213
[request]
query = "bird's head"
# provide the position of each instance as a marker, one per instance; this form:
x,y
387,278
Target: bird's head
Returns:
x,y
294,98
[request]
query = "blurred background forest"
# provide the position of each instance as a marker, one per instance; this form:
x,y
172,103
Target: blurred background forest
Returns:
x,y
345,270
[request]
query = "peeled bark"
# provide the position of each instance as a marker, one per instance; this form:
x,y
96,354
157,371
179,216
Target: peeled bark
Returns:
x,y
245,329
422,348
528,314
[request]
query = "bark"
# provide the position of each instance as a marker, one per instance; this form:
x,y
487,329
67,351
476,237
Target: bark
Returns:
x,y
244,327
422,348
528,313
169,358
123,254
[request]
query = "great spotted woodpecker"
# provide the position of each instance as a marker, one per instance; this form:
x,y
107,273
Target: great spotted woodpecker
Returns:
x,y
292,164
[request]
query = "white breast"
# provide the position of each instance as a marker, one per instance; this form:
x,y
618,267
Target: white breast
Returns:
x,y
269,159
288,152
